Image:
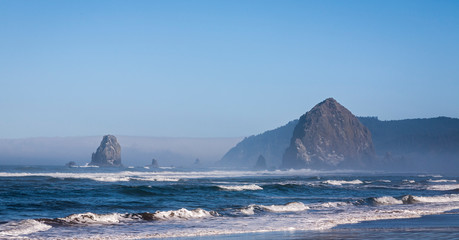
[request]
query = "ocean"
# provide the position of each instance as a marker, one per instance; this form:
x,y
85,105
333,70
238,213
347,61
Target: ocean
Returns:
x,y
49,202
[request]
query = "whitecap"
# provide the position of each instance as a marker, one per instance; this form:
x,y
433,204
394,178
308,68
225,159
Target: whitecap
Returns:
x,y
441,181
341,182
183,213
443,187
240,187
17,228
432,199
289,207
93,218
387,200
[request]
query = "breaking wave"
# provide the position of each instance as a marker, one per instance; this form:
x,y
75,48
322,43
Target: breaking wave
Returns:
x,y
183,214
441,181
443,187
432,199
341,182
387,200
289,207
240,187
23,227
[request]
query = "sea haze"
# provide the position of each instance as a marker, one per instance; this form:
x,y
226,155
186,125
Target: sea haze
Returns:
x,y
132,203
136,151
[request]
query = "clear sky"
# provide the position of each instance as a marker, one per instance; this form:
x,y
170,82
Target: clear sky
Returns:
x,y
220,68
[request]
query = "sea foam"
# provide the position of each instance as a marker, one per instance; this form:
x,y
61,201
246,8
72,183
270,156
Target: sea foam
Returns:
x,y
387,200
93,218
443,187
240,187
183,213
341,182
23,227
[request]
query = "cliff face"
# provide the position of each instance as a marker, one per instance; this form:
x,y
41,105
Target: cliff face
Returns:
x,y
328,136
108,153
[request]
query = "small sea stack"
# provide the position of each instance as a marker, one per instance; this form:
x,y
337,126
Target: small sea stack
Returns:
x,y
108,153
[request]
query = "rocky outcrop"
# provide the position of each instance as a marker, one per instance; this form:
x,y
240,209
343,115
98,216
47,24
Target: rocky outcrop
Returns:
x,y
108,154
261,163
154,163
328,136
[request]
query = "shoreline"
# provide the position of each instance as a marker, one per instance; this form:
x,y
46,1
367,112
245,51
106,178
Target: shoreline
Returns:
x,y
438,226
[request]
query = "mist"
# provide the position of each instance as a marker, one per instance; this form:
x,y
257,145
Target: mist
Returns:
x,y
135,151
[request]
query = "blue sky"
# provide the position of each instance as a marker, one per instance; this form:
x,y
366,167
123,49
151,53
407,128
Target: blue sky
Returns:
x,y
220,68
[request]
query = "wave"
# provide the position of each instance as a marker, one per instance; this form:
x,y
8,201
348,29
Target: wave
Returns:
x,y
23,227
408,181
240,187
441,181
288,207
387,200
341,182
384,180
435,176
449,198
92,218
443,187
169,175
183,213
202,222
330,205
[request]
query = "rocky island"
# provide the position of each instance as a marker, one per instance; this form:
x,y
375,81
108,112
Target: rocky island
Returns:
x,y
327,136
108,154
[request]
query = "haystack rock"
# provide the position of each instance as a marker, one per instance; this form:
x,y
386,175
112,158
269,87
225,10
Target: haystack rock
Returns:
x,y
108,154
328,136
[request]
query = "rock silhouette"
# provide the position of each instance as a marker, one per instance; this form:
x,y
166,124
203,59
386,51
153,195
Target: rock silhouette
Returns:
x,y
328,136
108,154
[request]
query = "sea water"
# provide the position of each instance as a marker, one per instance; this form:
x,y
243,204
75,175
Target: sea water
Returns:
x,y
140,203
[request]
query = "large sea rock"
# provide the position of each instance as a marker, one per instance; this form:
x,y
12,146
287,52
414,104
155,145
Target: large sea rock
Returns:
x,y
108,154
328,136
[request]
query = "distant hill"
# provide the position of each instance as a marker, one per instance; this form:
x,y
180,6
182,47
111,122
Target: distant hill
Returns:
x,y
429,135
410,144
270,144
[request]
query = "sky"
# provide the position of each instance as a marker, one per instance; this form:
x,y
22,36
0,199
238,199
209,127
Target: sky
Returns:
x,y
220,68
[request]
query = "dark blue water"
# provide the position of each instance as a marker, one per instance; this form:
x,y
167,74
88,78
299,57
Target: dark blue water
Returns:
x,y
59,202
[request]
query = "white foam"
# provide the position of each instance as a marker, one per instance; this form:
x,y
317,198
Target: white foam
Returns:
x,y
387,200
88,166
183,213
448,198
240,187
289,207
92,218
408,181
330,205
23,227
443,187
341,182
384,180
441,181
435,176
199,223
161,175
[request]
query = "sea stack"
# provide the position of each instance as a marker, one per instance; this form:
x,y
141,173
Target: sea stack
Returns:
x,y
328,136
154,163
261,163
108,154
